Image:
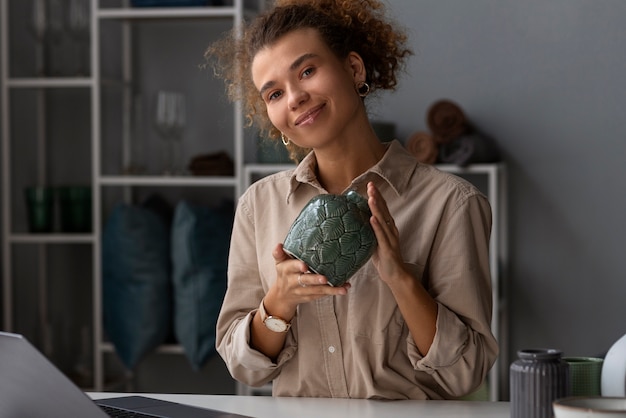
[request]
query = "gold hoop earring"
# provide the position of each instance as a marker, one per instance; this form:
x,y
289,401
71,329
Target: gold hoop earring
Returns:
x,y
363,89
285,140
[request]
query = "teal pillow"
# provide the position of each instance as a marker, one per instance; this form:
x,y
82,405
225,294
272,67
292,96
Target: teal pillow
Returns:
x,y
200,242
137,298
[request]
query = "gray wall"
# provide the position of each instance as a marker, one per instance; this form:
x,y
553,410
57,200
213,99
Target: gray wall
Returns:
x,y
546,80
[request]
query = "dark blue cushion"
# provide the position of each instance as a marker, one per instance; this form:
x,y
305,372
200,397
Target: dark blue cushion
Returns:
x,y
137,301
200,242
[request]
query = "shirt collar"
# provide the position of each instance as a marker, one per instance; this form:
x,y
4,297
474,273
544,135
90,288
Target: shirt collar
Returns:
x,y
396,167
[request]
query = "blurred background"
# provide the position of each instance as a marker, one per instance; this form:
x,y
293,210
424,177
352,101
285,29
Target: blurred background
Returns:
x,y
544,80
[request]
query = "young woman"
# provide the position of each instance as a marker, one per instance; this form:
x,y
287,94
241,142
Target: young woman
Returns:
x,y
414,322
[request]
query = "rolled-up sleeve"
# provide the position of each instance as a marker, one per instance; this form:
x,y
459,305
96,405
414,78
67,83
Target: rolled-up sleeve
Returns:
x,y
464,349
244,293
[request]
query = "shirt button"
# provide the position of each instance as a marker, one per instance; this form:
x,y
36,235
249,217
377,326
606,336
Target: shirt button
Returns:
x,y
331,349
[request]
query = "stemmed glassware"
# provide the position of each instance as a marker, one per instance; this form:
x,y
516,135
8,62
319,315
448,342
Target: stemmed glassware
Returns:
x,y
39,24
55,11
170,120
47,28
78,25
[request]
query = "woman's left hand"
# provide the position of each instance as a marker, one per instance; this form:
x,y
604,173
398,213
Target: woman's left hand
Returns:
x,y
418,308
387,258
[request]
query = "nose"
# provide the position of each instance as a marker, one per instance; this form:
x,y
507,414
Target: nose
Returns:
x,y
296,98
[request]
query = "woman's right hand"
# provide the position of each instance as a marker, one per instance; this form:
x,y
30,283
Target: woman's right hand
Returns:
x,y
295,284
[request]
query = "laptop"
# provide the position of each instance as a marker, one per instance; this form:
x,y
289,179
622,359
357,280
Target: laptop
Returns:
x,y
31,386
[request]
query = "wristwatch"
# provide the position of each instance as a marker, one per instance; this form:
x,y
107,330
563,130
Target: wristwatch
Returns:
x,y
273,323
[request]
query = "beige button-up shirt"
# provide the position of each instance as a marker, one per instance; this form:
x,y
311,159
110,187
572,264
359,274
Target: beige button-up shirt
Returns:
x,y
358,345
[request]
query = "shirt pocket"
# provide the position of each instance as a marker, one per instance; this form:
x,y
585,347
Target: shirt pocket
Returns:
x,y
373,313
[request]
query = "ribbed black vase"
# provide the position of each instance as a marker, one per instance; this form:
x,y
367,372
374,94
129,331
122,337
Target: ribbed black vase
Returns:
x,y
537,378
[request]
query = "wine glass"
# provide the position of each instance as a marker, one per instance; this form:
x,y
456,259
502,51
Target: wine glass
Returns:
x,y
47,28
78,25
55,28
170,123
39,24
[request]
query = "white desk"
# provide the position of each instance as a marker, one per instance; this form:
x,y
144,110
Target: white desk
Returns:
x,y
270,407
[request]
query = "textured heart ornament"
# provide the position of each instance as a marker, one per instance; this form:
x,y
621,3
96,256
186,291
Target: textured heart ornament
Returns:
x,y
333,236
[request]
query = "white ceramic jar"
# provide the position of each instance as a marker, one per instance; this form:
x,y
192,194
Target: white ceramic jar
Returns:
x,y
614,370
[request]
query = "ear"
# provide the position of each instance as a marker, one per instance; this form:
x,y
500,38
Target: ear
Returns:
x,y
356,67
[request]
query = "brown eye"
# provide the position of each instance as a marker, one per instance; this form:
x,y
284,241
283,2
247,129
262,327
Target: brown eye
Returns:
x,y
275,95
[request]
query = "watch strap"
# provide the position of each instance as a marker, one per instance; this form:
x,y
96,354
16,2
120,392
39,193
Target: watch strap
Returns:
x,y
265,317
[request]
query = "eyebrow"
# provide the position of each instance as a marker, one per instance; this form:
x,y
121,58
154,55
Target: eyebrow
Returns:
x,y
294,65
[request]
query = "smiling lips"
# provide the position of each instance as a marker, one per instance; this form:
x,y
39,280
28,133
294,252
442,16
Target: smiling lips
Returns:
x,y
309,116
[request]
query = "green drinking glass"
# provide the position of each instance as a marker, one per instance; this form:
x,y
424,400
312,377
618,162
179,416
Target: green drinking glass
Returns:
x,y
40,209
75,205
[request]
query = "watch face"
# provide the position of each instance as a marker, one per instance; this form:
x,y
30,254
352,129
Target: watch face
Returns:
x,y
276,324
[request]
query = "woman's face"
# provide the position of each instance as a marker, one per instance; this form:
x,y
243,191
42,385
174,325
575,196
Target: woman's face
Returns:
x,y
309,93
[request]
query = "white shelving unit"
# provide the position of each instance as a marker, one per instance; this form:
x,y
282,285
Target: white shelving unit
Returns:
x,y
491,179
100,177
127,16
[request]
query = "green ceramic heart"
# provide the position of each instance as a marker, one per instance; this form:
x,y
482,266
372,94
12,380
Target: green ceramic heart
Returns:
x,y
333,236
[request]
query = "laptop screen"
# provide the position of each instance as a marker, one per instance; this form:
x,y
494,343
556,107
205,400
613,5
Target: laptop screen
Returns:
x,y
31,386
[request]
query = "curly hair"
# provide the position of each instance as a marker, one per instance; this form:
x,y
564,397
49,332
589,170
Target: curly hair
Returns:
x,y
344,25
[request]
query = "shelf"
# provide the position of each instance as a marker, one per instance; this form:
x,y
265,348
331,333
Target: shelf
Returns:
x,y
162,349
57,82
167,181
168,13
268,168
450,168
470,169
263,169
51,238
